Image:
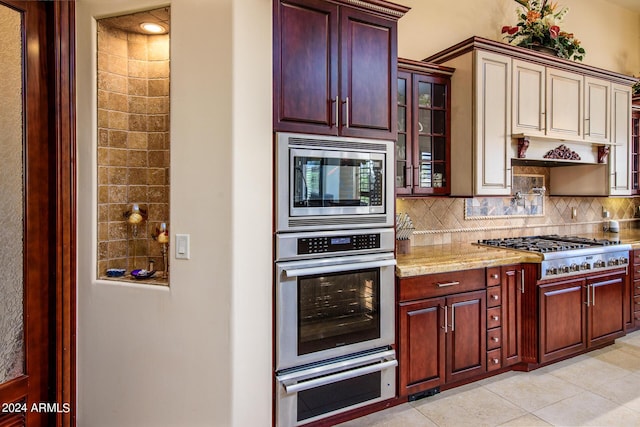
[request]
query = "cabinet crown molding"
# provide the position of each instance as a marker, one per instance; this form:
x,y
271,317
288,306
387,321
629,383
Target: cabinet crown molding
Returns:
x,y
479,43
379,6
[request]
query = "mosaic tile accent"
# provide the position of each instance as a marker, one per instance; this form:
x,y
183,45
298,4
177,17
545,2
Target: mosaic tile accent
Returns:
x,y
529,201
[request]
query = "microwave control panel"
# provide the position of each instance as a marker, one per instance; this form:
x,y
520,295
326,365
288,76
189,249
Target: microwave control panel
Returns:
x,y
338,243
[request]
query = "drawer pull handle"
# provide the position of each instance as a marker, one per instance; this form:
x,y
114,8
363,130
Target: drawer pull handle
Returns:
x,y
495,361
495,318
494,276
495,297
495,339
444,285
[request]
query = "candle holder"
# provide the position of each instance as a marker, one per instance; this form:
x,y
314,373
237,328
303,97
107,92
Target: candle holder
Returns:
x,y
134,218
162,237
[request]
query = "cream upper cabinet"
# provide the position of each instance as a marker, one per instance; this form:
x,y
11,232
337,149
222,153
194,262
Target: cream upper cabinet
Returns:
x,y
620,151
564,104
510,104
481,124
597,96
492,133
529,94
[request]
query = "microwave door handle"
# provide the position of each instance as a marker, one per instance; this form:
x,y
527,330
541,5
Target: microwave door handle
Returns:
x,y
307,271
341,376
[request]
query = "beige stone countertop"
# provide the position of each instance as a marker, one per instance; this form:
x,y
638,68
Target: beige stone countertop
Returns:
x,y
465,256
456,256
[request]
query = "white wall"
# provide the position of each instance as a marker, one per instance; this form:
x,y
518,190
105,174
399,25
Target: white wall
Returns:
x,y
198,353
609,33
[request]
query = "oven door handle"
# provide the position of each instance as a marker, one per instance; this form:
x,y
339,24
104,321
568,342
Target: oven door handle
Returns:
x,y
341,376
335,268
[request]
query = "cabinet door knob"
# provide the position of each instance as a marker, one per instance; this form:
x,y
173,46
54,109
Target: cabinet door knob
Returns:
x,y
496,361
495,317
494,276
495,339
495,297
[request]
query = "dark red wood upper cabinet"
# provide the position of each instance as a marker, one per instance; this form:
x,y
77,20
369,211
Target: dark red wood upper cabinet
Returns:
x,y
305,67
335,68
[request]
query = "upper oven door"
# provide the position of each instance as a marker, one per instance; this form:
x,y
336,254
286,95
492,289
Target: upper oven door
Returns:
x,y
332,307
328,182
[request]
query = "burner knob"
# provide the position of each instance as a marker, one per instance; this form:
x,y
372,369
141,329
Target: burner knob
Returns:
x,y
563,269
574,267
550,272
584,266
623,260
612,262
598,264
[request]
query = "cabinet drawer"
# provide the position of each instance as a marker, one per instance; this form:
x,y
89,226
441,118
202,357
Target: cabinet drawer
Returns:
x,y
636,303
636,287
494,296
636,257
494,359
493,276
435,285
494,338
494,317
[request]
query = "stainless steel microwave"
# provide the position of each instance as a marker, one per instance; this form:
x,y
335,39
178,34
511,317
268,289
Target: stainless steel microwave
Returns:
x,y
326,182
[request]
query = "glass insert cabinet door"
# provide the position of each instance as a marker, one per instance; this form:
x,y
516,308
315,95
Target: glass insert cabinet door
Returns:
x,y
12,349
422,150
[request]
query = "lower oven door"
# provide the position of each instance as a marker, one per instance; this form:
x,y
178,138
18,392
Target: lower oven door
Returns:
x,y
321,390
332,307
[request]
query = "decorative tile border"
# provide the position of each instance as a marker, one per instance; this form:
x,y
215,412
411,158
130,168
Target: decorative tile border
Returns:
x,y
529,201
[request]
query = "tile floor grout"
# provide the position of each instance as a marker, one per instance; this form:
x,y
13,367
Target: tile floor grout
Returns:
x,y
600,388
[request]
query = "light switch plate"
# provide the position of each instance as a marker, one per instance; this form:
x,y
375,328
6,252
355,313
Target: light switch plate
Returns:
x,y
183,246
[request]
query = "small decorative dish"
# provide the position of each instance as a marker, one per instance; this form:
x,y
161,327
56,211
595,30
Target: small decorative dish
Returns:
x,y
115,272
143,274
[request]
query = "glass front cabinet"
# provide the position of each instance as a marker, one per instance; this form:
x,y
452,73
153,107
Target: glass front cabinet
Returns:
x,y
424,109
635,145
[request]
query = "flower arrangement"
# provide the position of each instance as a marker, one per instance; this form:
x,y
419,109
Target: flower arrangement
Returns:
x,y
539,24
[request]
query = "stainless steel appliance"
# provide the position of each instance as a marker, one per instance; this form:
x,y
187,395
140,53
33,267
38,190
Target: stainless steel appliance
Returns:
x,y
314,392
563,256
337,305
326,182
335,308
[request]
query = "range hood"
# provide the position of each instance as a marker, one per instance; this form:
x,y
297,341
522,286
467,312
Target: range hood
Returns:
x,y
537,150
584,170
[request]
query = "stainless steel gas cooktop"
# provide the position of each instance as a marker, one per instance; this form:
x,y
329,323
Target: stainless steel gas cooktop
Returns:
x,y
568,255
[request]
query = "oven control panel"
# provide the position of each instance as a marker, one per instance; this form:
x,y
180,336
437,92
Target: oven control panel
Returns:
x,y
321,244
316,245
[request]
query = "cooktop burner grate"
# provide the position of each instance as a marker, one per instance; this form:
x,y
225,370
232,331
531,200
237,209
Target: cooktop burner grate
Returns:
x,y
548,243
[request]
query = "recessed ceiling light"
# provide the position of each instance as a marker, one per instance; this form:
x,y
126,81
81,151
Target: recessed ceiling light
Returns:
x,y
152,28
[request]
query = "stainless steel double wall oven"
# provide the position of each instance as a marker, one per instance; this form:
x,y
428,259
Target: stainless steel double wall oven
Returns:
x,y
334,279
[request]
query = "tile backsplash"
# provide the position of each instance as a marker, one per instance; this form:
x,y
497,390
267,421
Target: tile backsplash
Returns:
x,y
441,220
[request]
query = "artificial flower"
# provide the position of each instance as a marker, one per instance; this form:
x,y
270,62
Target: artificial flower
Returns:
x,y
539,24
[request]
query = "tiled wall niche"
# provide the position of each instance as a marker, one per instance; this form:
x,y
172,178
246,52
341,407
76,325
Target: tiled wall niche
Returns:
x,y
133,141
441,220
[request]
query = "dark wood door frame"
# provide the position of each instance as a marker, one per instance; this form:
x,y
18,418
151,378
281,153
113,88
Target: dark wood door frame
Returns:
x,y
50,342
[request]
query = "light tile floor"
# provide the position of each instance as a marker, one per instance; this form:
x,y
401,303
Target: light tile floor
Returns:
x,y
600,388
